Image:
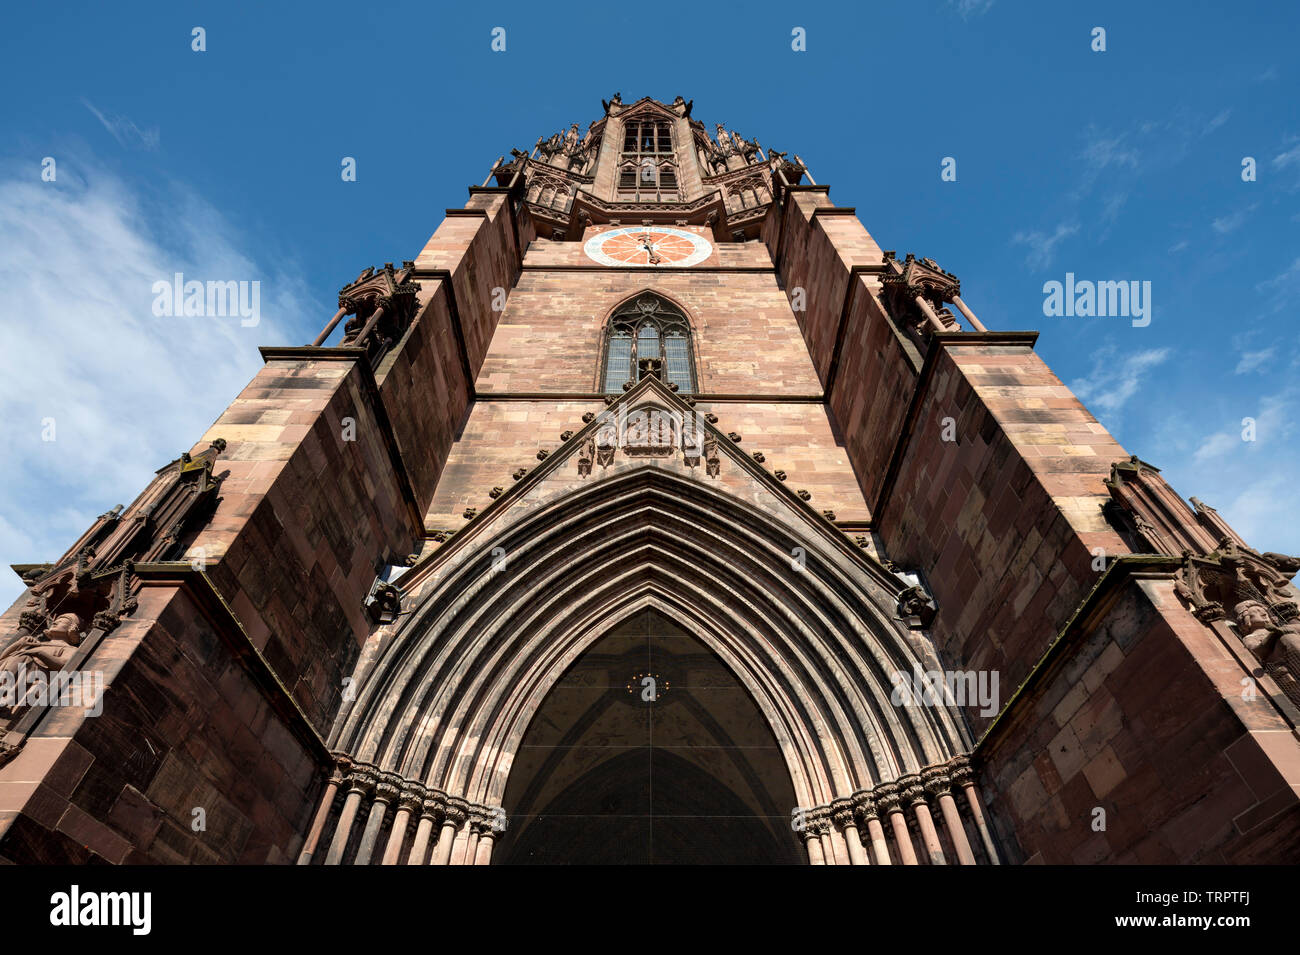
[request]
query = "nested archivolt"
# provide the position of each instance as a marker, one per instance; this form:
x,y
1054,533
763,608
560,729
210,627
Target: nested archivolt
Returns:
x,y
447,700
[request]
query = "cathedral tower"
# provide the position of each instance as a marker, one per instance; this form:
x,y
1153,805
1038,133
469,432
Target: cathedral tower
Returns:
x,y
654,513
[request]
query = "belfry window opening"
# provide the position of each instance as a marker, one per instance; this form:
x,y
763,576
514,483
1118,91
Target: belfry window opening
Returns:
x,y
646,172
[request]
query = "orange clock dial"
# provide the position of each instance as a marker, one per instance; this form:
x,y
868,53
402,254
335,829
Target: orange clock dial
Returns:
x,y
648,246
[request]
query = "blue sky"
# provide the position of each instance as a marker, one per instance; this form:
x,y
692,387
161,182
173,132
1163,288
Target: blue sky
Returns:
x,y
1123,164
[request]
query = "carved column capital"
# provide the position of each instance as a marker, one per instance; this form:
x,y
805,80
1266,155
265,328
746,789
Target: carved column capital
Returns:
x,y
912,789
841,812
434,805
457,812
818,820
412,797
341,768
961,771
362,779
936,780
388,787
888,797
864,806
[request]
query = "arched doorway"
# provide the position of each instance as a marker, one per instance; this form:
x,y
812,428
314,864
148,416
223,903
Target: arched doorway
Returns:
x,y
615,768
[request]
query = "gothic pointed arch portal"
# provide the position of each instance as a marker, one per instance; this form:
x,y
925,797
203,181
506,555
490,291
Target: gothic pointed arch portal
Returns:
x,y
807,624
649,750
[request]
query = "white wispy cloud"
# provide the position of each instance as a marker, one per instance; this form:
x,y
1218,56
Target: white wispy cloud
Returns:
x,y
1111,383
1290,157
1250,360
1233,220
123,391
1103,149
1282,288
970,8
1042,247
1250,483
1270,426
126,132
1219,119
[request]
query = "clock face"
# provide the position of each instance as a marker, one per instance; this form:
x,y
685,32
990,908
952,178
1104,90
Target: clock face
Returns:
x,y
648,246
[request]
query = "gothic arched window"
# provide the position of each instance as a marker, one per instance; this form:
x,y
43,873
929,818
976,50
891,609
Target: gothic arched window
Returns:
x,y
648,337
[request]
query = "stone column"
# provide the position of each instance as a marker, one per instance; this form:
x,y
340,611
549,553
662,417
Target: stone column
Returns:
x,y
964,776
457,812
467,845
361,782
865,809
813,843
826,832
345,306
930,316
914,796
970,316
889,798
387,790
337,776
939,785
842,814
431,812
494,823
407,803
811,830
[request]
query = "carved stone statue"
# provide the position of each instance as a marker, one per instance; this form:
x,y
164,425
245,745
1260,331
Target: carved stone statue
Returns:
x,y
50,650
1276,647
571,141
712,462
1255,627
748,149
725,146
548,149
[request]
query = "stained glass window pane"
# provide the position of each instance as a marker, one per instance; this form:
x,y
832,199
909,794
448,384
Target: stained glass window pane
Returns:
x,y
647,345
618,366
677,357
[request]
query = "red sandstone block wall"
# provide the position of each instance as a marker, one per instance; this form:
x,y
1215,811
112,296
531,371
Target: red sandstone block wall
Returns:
x,y
873,386
425,391
1144,719
551,335
306,517
1003,518
479,251
184,726
502,436
817,248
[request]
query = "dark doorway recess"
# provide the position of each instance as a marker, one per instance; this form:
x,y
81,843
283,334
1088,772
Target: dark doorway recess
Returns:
x,y
605,776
